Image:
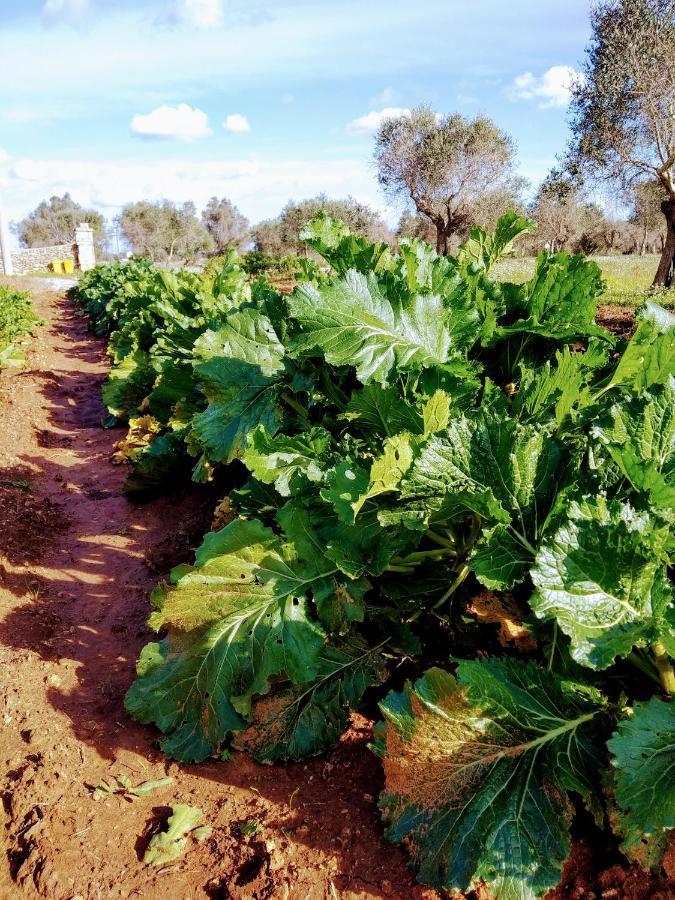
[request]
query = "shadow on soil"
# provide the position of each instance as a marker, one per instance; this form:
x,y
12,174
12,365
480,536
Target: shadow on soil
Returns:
x,y
84,573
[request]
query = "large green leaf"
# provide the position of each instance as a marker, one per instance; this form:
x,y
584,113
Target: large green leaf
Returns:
x,y
493,467
640,437
247,335
288,463
383,411
477,772
643,760
241,397
483,250
352,323
601,577
302,721
236,619
649,357
559,302
128,384
349,488
344,250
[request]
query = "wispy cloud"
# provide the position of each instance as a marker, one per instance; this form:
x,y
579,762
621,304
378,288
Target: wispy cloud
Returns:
x,y
200,13
371,121
236,123
182,122
55,12
552,89
260,187
384,98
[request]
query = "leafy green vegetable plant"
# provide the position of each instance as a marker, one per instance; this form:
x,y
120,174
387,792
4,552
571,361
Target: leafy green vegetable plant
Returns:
x,y
17,322
419,437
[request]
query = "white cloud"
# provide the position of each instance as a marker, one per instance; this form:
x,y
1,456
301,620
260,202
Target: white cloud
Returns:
x,y
56,11
552,89
236,123
4,155
259,187
182,122
387,95
371,121
200,13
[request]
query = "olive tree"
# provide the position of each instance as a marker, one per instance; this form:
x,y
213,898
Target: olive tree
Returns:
x,y
54,222
164,232
280,236
447,166
623,106
646,214
226,225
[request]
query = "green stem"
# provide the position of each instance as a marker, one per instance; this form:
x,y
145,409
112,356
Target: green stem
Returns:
x,y
664,667
461,575
439,539
553,646
300,410
523,540
644,666
421,555
395,568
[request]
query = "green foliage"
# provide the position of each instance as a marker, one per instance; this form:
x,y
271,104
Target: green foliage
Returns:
x,y
54,222
415,433
477,772
17,322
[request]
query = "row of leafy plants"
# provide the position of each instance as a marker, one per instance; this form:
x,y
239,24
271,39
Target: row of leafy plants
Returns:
x,y
457,498
17,323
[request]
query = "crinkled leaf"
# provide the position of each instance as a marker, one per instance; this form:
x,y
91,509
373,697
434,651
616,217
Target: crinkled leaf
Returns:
x,y
477,773
643,760
500,559
332,239
241,397
128,384
247,335
288,463
483,250
170,845
436,412
601,576
640,438
299,722
353,324
383,410
235,619
560,300
649,357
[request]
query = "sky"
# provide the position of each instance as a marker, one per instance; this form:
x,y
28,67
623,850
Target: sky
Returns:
x,y
263,101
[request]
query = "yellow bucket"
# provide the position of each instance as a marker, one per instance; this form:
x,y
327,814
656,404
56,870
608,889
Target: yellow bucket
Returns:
x,y
68,266
57,265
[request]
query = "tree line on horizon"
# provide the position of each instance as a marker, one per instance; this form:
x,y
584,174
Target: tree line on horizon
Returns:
x,y
451,172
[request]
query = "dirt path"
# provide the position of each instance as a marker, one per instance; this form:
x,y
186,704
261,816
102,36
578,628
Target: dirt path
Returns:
x,y
74,579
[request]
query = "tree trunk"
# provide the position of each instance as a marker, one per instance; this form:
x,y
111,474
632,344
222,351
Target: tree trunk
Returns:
x,y
665,272
643,242
441,240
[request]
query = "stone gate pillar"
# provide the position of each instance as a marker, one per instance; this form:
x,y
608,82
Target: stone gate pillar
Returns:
x,y
84,238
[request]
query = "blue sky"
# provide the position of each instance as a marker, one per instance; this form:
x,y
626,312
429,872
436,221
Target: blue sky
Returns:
x,y
262,101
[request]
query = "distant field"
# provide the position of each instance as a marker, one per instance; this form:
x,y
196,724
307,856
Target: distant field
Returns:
x,y
628,278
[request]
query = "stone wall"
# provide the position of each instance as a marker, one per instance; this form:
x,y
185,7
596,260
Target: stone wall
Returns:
x,y
37,259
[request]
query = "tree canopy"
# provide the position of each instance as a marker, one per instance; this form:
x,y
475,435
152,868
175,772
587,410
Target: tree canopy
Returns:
x,y
54,222
280,236
623,107
164,232
226,225
450,167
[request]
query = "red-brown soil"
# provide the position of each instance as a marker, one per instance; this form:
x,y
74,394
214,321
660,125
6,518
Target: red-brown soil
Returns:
x,y
76,564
